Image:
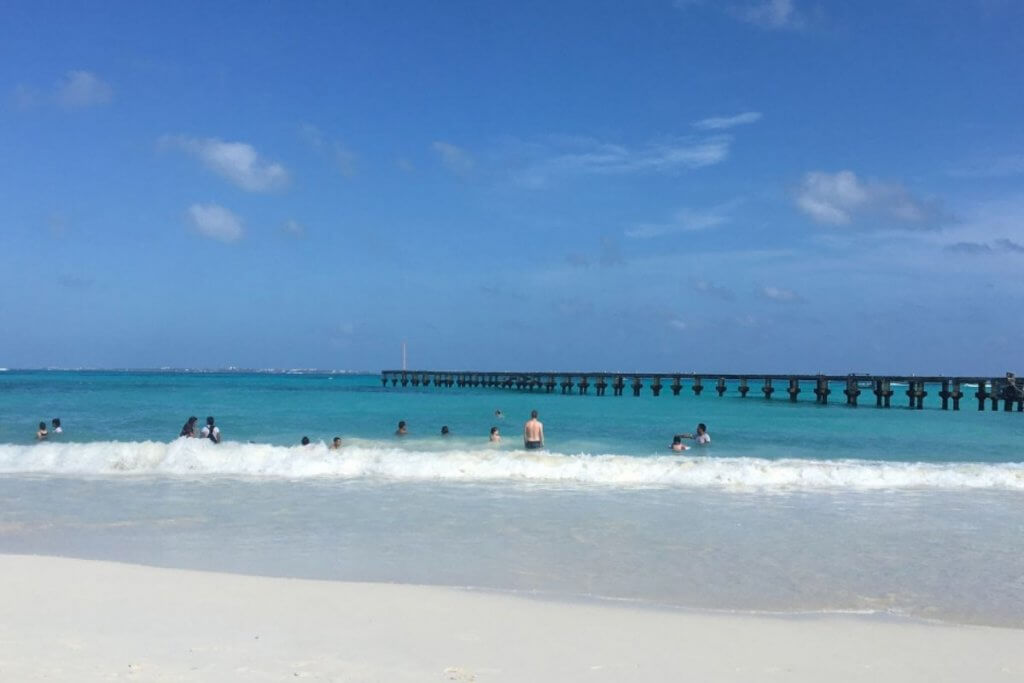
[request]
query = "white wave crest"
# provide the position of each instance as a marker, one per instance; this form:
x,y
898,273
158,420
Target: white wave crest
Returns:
x,y
198,457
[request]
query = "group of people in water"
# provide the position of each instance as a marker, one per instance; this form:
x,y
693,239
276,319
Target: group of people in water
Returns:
x,y
210,431
42,434
533,432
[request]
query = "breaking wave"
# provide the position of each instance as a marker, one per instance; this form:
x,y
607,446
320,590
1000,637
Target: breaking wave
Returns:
x,y
371,460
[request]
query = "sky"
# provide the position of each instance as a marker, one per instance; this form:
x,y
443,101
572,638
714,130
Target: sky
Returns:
x,y
688,185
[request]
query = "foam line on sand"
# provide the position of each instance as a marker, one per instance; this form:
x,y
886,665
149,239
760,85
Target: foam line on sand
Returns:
x,y
81,620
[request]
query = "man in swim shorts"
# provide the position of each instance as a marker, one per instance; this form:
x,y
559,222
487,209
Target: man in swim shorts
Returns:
x,y
533,433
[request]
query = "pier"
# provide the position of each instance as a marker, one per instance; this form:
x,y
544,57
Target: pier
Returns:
x,y
856,389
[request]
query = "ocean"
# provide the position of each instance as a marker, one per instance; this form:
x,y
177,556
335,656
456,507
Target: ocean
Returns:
x,y
793,508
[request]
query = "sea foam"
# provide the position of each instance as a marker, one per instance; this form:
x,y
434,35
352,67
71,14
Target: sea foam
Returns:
x,y
373,460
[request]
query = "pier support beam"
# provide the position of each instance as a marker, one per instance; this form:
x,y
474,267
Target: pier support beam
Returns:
x,y
618,385
916,394
821,390
720,386
638,385
743,388
549,385
981,394
602,385
697,386
997,390
767,389
567,384
656,385
794,389
852,391
883,393
677,385
584,385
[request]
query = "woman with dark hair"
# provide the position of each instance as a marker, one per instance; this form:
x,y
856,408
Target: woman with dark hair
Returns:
x,y
189,430
41,432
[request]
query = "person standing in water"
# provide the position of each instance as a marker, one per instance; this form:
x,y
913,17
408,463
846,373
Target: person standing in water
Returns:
x,y
210,431
495,436
56,428
533,433
41,432
189,429
336,444
701,436
401,431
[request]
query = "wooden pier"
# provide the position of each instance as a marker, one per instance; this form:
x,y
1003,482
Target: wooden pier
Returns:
x,y
996,392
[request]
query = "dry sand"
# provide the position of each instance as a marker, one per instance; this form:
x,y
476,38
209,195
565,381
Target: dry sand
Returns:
x,y
78,620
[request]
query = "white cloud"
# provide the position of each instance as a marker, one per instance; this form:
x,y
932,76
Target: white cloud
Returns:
x,y
215,222
82,89
678,324
724,122
294,228
771,14
841,198
779,294
454,158
577,156
238,162
684,220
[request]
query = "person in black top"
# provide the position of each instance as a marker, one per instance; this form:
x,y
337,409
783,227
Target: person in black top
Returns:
x,y
189,430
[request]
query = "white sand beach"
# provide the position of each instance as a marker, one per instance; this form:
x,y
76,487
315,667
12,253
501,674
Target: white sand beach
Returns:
x,y
79,620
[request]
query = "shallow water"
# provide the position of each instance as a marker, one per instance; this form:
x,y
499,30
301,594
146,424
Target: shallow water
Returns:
x,y
792,508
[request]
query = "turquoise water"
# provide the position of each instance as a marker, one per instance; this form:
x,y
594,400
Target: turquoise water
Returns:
x,y
792,508
280,409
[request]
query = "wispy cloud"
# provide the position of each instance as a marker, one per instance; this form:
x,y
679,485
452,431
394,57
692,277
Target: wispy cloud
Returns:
x,y
770,14
765,14
842,198
215,222
344,158
238,162
724,122
999,246
404,164
712,290
454,158
293,228
997,167
678,324
24,97
82,89
786,296
579,156
683,220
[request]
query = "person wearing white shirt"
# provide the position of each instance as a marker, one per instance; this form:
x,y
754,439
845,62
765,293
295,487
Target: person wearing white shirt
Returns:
x,y
701,436
210,431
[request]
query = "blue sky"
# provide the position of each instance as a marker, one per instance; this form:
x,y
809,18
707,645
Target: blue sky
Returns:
x,y
748,185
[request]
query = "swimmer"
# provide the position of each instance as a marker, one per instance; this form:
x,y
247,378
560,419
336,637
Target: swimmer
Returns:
x,y
677,443
495,436
499,415
401,431
336,444
41,432
57,429
701,436
210,431
189,430
305,441
533,433
444,431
